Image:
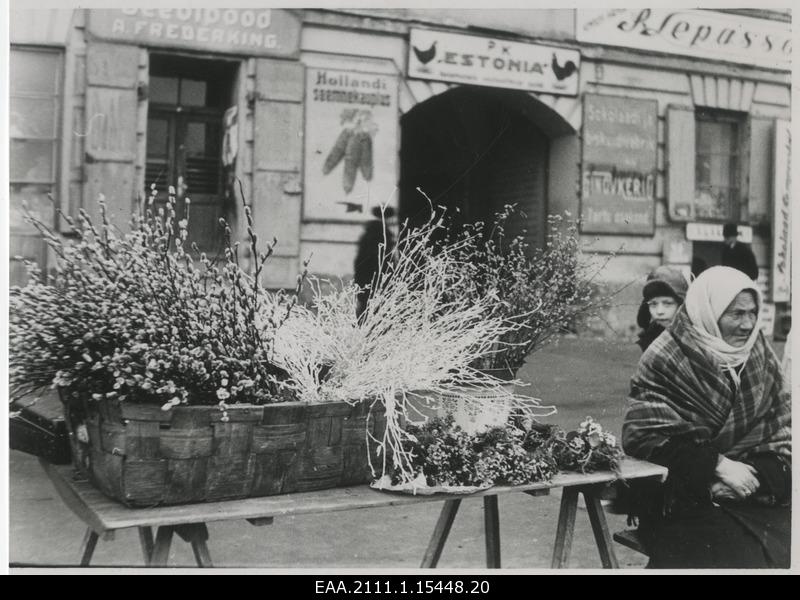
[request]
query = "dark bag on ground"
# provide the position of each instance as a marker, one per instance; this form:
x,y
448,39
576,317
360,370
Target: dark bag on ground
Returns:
x,y
38,427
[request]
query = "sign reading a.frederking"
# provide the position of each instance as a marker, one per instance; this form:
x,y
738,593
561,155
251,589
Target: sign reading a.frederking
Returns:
x,y
440,56
254,32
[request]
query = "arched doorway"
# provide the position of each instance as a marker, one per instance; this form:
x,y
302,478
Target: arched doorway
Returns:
x,y
474,150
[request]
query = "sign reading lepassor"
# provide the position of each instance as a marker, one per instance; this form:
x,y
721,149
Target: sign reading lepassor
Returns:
x,y
492,62
618,172
700,33
258,32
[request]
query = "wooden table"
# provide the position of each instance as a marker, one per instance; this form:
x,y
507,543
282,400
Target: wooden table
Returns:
x,y
104,516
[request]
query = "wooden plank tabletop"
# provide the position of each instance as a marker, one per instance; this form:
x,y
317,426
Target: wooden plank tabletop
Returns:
x,y
103,514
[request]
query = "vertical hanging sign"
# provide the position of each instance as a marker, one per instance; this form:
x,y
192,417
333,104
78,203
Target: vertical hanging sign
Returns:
x,y
351,143
782,213
618,170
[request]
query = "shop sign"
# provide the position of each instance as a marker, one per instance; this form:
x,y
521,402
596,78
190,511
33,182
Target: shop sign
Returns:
x,y
618,171
351,143
473,60
252,32
782,214
703,34
712,232
768,318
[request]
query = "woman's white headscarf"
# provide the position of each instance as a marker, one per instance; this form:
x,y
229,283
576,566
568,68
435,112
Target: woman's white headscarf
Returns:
x,y
706,300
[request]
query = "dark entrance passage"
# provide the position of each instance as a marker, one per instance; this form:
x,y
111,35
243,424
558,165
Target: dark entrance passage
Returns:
x,y
474,150
187,101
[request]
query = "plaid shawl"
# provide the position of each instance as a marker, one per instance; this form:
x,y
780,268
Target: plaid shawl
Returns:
x,y
678,390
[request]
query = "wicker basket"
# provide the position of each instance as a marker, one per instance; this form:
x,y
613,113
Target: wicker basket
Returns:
x,y
144,456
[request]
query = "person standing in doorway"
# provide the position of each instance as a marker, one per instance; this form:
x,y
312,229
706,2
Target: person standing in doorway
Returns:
x,y
737,254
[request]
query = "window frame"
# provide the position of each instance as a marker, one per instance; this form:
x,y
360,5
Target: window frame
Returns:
x,y
56,99
736,208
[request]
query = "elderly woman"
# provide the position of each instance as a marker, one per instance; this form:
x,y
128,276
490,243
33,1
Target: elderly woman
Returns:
x,y
707,402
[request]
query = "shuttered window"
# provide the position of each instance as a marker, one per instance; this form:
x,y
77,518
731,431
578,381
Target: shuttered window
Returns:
x,y
35,76
718,165
717,194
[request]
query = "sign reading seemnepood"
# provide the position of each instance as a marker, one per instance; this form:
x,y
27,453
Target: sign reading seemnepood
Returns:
x,y
699,33
618,172
257,32
440,56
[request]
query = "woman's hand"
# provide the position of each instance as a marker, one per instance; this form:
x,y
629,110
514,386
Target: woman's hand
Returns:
x,y
720,491
738,477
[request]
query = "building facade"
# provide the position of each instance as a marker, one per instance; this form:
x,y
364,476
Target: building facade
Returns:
x,y
655,126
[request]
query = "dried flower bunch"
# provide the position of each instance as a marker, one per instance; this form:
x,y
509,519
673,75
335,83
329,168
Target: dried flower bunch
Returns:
x,y
414,336
134,317
587,449
445,456
539,289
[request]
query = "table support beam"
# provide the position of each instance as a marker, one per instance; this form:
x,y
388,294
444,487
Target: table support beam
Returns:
x,y
566,528
197,535
161,549
87,546
440,533
491,527
602,536
146,540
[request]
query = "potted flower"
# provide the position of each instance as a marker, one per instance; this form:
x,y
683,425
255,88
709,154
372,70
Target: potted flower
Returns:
x,y
165,363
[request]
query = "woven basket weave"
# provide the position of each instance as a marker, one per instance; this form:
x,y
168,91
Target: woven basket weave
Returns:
x,y
143,456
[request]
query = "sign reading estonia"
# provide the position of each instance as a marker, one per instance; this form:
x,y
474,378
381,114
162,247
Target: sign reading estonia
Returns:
x,y
618,170
700,33
259,32
440,56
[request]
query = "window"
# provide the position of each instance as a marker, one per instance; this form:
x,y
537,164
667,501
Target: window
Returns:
x,y
718,165
35,88
34,122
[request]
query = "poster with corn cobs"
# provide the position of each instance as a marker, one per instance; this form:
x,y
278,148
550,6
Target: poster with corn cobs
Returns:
x,y
351,143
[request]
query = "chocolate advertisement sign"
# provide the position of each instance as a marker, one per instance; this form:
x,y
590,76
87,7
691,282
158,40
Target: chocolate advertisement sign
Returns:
x,y
618,168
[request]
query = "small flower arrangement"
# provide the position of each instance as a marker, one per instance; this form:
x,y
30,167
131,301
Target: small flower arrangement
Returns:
x,y
587,449
541,290
526,451
135,317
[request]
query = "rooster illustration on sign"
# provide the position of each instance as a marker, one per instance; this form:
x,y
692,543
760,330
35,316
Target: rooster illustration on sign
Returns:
x,y
353,146
560,72
425,56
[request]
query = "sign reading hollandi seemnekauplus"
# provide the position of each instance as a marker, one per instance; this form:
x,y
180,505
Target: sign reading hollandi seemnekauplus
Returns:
x,y
699,33
492,62
257,32
618,165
